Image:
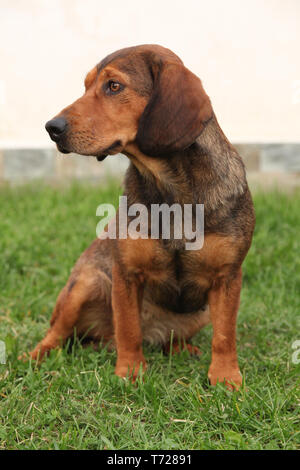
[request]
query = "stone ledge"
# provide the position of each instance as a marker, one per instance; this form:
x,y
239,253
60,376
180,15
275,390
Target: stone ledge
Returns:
x,y
25,164
22,165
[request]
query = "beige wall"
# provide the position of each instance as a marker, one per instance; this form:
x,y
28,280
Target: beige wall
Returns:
x,y
247,53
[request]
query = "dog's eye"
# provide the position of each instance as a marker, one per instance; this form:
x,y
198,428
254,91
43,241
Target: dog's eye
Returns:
x,y
114,87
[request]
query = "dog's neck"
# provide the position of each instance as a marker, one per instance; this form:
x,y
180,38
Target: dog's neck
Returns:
x,y
209,172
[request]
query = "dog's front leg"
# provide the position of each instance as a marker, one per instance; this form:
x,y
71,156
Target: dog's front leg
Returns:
x,y
126,303
224,299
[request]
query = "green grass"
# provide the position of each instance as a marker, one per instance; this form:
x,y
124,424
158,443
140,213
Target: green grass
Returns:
x,y
73,400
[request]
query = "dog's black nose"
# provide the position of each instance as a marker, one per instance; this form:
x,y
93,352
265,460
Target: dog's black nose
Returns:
x,y
56,127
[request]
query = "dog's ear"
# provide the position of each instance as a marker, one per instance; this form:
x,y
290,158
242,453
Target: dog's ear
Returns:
x,y
176,113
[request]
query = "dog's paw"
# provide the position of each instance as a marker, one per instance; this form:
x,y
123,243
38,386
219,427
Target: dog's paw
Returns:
x,y
131,370
231,377
193,350
35,355
39,352
24,357
177,348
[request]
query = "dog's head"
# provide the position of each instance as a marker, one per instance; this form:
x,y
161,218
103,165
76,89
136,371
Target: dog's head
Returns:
x,y
142,95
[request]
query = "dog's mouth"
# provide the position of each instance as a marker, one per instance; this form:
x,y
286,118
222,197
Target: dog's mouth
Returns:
x,y
100,158
62,149
111,150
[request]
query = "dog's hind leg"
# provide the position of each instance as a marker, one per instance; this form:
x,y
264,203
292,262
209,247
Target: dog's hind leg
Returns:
x,y
83,307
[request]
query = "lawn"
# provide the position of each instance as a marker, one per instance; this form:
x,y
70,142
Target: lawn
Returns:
x,y
73,400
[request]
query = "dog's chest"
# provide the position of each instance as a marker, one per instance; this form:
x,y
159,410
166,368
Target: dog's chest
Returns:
x,y
179,279
171,260
178,289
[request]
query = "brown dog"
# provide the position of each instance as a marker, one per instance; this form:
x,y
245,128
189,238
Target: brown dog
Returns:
x,y
143,102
